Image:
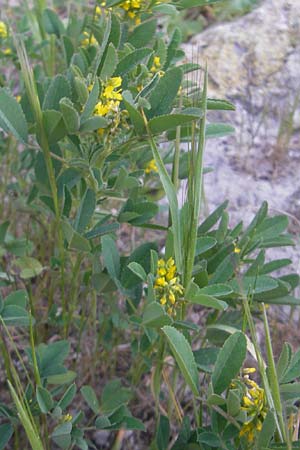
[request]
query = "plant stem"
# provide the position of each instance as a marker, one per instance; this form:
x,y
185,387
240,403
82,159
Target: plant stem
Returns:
x,y
195,184
262,368
272,374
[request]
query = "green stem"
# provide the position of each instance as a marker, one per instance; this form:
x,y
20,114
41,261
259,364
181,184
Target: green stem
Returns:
x,y
262,368
34,359
272,374
196,186
42,139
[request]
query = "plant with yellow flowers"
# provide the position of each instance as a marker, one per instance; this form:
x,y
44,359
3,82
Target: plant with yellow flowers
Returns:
x,y
167,286
3,30
123,275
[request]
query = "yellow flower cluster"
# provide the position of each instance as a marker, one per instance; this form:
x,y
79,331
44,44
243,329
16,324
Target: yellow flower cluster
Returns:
x,y
156,64
167,285
110,97
88,39
132,8
3,30
151,167
255,404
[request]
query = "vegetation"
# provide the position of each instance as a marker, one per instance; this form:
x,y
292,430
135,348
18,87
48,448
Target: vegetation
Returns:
x,y
113,291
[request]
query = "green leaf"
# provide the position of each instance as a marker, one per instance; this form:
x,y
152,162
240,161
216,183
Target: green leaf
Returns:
x,y
206,358
114,395
165,92
29,267
100,230
142,256
227,367
51,357
131,60
233,402
64,378
184,4
54,126
204,244
194,295
155,316
284,360
58,89
6,432
212,219
137,213
68,49
267,431
67,398
90,397
100,57
174,43
215,130
142,34
271,227
86,210
216,290
135,117
111,256
15,316
254,285
81,90
163,433
274,265
3,230
93,124
208,301
17,298
293,370
70,115
232,330
12,119
62,435
183,355
210,439
290,392
110,63
167,122
52,23
74,239
44,399
138,270
217,104
91,102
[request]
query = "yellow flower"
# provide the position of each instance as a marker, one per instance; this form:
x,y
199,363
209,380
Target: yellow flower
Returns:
x,y
132,8
3,30
167,285
156,64
151,167
160,282
67,418
249,370
254,403
7,51
163,300
98,11
109,100
236,249
88,39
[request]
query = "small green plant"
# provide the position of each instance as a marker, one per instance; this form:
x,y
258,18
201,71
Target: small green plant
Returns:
x,y
94,317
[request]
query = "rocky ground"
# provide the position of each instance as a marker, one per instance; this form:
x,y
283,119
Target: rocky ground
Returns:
x,y
255,62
